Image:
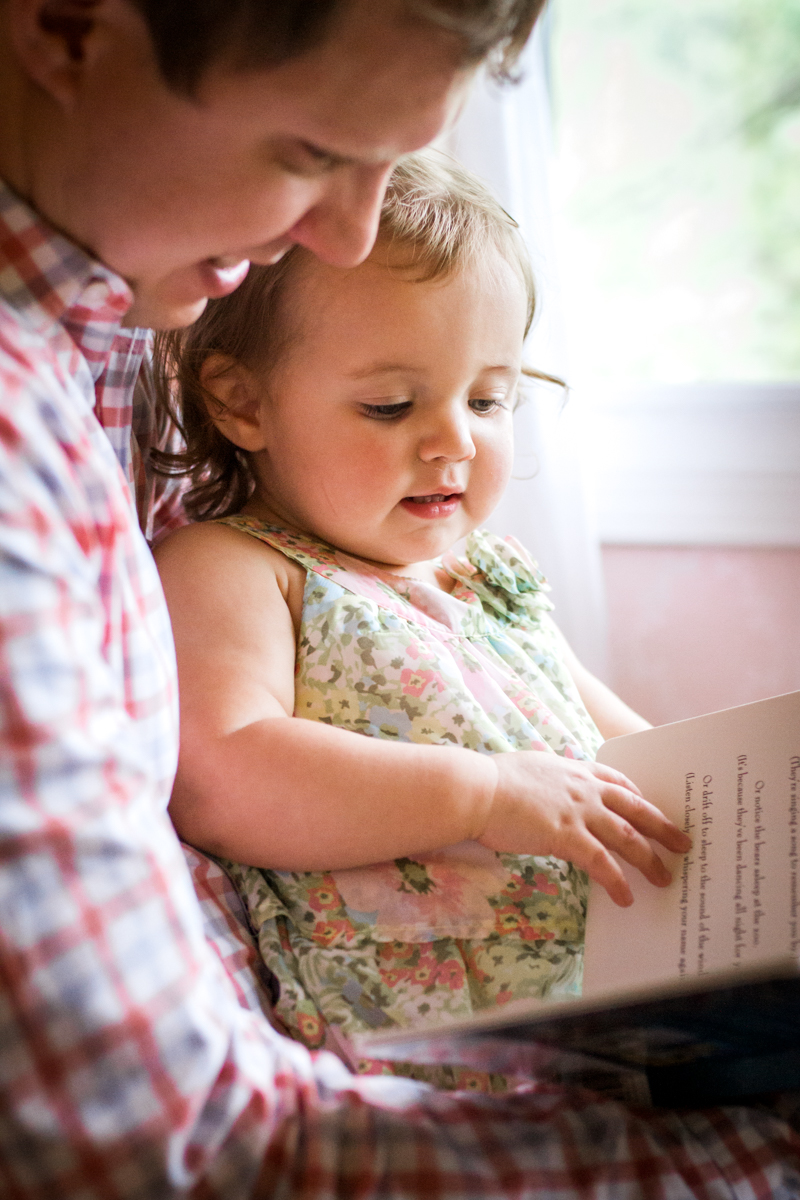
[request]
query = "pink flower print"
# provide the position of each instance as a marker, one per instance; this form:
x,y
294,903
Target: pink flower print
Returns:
x,y
508,919
311,1029
463,878
415,682
543,884
504,996
425,971
322,898
518,888
393,950
530,933
328,932
391,976
451,974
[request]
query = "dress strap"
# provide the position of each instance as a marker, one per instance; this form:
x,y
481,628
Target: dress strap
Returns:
x,y
310,554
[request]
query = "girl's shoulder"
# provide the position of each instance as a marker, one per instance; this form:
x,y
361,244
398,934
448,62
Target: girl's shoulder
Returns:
x,y
218,556
503,576
210,545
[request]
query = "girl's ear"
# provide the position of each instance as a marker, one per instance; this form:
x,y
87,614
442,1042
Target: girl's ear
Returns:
x,y
233,399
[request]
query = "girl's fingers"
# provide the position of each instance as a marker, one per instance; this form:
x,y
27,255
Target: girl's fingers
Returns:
x,y
609,775
646,818
618,835
602,868
590,846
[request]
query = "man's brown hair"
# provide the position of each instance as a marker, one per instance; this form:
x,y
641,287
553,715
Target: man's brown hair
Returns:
x,y
190,35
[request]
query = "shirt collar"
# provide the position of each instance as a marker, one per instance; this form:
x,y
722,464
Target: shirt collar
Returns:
x,y
49,280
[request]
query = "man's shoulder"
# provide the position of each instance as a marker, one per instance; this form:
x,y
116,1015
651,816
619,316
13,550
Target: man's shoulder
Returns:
x,y
24,349
49,455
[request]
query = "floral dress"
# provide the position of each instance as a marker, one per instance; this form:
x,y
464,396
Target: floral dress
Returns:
x,y
428,939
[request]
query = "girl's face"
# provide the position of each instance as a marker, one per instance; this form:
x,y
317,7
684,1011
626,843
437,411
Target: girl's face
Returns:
x,y
387,431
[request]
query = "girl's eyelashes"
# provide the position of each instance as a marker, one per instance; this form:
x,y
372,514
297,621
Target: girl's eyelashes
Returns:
x,y
483,405
385,412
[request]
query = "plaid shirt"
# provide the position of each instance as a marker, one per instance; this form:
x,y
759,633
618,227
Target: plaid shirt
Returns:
x,y
135,1061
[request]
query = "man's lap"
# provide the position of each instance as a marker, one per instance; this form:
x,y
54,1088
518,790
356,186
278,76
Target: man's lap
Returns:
x,y
389,1137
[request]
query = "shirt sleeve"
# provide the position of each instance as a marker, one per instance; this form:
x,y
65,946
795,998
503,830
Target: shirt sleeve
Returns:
x,y
129,1067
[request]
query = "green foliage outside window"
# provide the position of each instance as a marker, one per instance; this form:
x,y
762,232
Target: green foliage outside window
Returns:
x,y
678,173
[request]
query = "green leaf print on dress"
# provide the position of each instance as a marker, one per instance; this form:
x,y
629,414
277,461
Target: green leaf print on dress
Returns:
x,y
437,936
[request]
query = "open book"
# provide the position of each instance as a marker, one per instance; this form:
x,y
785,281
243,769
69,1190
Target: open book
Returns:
x,y
692,995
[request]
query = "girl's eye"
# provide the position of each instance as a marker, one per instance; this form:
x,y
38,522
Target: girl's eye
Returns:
x,y
385,412
485,404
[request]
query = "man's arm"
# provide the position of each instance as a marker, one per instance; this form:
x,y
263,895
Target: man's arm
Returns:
x,y
129,1067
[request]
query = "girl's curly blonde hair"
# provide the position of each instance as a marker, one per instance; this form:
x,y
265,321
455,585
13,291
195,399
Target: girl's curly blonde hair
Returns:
x,y
436,217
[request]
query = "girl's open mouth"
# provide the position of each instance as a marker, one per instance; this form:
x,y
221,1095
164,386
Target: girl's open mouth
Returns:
x,y
439,504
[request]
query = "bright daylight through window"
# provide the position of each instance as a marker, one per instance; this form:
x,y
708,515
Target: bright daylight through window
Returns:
x,y
678,181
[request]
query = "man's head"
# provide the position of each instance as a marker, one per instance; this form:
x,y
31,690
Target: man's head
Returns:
x,y
178,139
187,38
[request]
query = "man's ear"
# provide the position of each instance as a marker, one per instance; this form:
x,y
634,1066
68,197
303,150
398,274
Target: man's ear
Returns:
x,y
52,39
233,401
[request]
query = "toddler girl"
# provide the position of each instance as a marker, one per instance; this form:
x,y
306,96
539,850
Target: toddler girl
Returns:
x,y
351,688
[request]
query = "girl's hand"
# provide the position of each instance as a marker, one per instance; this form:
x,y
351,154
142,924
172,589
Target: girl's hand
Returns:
x,y
579,811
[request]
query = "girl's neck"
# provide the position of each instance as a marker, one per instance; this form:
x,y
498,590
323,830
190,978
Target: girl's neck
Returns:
x,y
430,571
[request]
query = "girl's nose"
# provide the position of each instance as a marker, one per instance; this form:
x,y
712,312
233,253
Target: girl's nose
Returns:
x,y
342,226
450,440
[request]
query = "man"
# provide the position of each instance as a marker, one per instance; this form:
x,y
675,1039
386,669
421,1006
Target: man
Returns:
x,y
149,149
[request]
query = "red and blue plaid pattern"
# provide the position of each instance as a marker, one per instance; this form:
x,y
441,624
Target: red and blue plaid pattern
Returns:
x,y
135,1060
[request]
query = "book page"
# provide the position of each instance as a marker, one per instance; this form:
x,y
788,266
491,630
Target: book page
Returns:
x,y
732,781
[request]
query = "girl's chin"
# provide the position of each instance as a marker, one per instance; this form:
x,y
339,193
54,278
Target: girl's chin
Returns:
x,y
398,553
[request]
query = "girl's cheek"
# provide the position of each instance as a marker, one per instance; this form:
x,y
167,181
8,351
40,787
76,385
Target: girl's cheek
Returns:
x,y
379,455
497,453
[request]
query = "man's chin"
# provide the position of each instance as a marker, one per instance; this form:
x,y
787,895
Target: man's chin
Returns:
x,y
149,312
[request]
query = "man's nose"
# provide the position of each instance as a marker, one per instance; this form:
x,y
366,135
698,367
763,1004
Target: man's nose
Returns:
x,y
342,226
448,438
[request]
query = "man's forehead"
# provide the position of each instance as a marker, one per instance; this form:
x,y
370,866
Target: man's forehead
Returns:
x,y
362,95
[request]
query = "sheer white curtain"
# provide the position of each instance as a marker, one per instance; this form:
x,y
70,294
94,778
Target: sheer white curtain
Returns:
x,y
504,135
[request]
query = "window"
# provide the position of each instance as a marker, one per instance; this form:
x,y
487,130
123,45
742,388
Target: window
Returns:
x,y
678,178
677,181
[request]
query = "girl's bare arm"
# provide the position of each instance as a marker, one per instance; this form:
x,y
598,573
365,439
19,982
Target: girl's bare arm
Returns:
x,y
611,715
257,785
253,782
